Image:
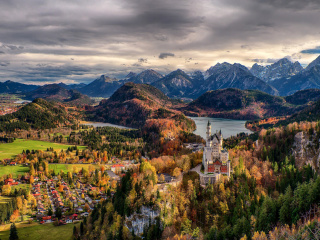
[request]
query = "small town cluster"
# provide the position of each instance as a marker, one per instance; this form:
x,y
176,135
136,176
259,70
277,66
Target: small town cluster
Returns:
x,y
66,197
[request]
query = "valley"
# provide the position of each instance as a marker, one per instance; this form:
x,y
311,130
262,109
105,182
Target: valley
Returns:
x,y
125,164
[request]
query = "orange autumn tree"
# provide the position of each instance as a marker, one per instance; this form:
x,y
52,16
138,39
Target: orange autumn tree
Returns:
x,y
14,216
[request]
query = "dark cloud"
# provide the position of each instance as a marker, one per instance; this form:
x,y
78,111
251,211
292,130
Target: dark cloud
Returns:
x,y
142,60
294,4
4,64
268,60
312,51
165,55
107,34
161,37
57,71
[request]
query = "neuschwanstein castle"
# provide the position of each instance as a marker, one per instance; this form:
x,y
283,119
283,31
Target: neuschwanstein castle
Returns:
x,y
215,159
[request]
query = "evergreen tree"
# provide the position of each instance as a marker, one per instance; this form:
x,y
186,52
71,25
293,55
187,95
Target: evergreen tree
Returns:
x,y
13,232
81,228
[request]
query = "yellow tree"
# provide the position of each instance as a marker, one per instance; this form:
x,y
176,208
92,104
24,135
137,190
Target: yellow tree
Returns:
x,y
6,190
176,172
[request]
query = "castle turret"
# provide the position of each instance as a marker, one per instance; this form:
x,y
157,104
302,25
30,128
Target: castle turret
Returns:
x,y
208,133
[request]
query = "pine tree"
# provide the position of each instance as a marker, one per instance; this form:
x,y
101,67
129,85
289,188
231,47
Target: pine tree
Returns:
x,y
13,232
81,228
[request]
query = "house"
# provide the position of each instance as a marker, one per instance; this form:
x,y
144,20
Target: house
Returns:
x,y
85,214
46,219
116,168
71,218
8,181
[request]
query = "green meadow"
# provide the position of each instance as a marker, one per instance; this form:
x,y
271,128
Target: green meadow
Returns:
x,y
9,150
40,232
58,167
14,170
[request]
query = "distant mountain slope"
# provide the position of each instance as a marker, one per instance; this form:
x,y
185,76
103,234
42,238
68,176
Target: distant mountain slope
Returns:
x,y
240,104
313,63
72,86
103,86
280,69
55,92
15,87
141,105
226,75
148,76
305,80
39,114
176,84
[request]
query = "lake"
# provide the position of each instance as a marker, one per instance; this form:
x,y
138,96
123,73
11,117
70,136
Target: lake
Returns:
x,y
229,127
101,124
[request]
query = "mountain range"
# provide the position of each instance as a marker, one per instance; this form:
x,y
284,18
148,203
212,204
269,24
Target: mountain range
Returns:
x,y
280,78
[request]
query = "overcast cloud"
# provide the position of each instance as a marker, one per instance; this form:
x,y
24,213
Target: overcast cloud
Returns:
x,y
78,40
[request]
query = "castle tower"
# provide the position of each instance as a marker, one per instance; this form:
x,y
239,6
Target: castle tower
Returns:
x,y
208,133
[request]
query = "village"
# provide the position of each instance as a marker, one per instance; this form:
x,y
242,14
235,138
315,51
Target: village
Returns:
x,y
66,198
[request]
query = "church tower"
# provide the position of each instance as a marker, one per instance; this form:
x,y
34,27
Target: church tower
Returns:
x,y
208,133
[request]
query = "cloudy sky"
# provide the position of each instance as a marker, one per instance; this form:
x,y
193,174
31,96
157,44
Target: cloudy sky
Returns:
x,y
78,40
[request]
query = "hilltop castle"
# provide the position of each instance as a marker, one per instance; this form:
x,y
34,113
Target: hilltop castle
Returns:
x,y
215,159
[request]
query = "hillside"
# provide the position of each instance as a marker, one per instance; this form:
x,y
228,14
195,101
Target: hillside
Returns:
x,y
141,105
55,92
240,104
309,114
303,96
39,114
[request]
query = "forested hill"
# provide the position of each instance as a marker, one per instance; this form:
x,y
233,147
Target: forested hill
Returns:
x,y
38,114
309,114
304,96
248,104
136,104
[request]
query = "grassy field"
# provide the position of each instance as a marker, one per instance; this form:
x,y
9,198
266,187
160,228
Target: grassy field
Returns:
x,y
39,232
9,150
14,170
70,167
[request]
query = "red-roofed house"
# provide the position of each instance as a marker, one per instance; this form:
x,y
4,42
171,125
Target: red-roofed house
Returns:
x,y
46,219
117,168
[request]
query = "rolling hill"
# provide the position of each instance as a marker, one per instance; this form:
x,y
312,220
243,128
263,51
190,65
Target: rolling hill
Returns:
x,y
39,114
142,106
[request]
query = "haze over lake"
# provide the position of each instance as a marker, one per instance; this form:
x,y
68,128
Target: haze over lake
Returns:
x,y
101,124
229,127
